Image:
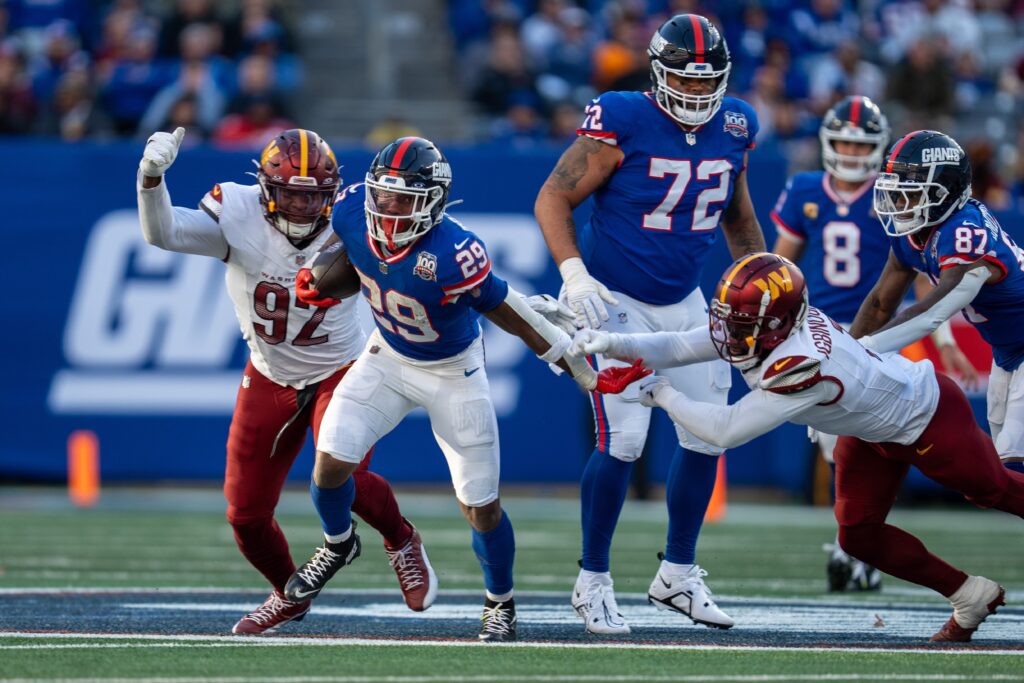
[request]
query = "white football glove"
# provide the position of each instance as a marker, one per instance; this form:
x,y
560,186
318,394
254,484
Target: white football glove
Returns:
x,y
588,341
650,387
161,150
556,313
584,295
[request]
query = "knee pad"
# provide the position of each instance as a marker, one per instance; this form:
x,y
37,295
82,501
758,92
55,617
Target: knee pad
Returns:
x,y
627,445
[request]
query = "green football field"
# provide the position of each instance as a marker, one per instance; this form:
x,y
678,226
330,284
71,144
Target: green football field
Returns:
x,y
147,585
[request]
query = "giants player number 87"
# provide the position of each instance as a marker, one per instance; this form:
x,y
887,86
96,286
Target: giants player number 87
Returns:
x,y
427,280
298,353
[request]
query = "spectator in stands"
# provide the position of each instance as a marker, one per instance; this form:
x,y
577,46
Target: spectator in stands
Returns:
x,y
17,103
134,79
506,73
73,114
844,73
565,119
998,34
620,62
569,66
542,31
523,124
819,29
972,84
260,118
61,54
751,41
188,13
986,185
922,84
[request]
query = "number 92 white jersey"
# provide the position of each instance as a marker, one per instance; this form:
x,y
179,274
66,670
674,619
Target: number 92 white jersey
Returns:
x,y
291,342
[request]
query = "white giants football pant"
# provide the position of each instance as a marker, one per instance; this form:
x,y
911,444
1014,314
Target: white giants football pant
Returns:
x,y
621,419
1006,411
383,386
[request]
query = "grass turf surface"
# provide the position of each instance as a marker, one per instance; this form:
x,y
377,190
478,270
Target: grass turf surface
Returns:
x,y
178,538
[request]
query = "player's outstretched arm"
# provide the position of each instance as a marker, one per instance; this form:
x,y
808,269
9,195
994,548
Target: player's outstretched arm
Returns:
x,y
584,167
729,426
953,359
742,231
957,287
658,349
170,227
884,298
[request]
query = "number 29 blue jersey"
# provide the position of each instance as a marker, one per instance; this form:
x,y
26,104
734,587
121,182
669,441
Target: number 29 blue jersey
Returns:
x,y
973,235
657,216
426,298
845,247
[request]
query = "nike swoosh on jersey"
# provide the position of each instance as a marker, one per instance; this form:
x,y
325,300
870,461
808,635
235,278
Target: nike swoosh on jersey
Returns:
x,y
462,243
922,451
469,372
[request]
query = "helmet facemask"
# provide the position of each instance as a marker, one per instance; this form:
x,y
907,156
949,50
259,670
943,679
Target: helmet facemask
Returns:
x,y
744,338
299,208
689,110
397,214
854,168
906,206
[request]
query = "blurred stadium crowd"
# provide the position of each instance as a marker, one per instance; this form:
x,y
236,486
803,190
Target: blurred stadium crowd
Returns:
x,y
227,70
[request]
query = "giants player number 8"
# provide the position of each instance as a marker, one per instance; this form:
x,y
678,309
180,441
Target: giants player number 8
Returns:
x,y
841,240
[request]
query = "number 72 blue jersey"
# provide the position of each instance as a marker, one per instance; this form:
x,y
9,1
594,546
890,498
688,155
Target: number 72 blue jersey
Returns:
x,y
657,216
426,298
973,235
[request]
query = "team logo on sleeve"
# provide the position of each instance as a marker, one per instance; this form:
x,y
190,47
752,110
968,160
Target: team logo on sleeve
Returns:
x,y
736,124
810,210
426,266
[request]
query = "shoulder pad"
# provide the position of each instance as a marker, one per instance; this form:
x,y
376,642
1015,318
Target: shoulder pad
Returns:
x,y
790,374
213,202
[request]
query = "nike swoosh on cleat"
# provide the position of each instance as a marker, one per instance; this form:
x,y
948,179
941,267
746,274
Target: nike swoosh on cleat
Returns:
x,y
664,583
462,243
470,372
300,595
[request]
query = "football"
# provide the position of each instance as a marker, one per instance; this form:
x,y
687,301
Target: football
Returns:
x,y
333,273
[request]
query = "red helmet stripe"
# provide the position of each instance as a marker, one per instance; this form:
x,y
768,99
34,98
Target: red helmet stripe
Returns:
x,y
397,162
303,152
896,151
698,37
855,111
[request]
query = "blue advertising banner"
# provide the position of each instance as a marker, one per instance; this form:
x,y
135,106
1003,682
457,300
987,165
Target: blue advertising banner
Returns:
x,y
141,346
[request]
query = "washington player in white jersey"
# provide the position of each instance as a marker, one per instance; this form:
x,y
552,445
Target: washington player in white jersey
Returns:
x,y
299,353
802,367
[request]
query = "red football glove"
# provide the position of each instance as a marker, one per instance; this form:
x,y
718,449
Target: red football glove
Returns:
x,y
305,292
614,380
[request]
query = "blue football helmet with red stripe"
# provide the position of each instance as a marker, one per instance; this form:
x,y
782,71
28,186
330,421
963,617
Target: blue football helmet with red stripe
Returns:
x,y
689,46
406,191
927,176
853,119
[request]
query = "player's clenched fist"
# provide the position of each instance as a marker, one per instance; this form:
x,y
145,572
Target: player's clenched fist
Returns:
x,y
584,295
307,293
161,150
651,387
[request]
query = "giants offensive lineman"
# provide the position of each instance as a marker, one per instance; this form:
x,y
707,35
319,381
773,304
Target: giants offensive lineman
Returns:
x,y
923,200
427,280
665,170
826,222
298,354
802,367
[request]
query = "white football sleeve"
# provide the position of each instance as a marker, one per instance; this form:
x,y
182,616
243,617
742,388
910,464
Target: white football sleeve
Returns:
x,y
666,349
582,373
189,231
926,322
755,414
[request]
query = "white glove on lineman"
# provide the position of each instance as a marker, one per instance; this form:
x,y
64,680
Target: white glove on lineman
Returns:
x,y
650,387
588,341
584,295
161,150
556,313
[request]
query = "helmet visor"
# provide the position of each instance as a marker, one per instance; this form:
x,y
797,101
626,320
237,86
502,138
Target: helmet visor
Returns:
x,y
689,109
397,214
903,205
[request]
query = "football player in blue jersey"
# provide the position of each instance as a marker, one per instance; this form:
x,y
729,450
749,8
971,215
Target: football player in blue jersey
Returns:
x,y
923,199
427,280
825,221
665,169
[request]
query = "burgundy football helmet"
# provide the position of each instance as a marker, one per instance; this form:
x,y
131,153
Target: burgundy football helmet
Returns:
x,y
299,179
759,302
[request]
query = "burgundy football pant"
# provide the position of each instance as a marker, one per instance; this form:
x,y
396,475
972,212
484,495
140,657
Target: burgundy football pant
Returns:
x,y
253,480
953,451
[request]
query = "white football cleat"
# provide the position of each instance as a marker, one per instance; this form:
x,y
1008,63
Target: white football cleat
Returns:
x,y
681,588
977,598
594,600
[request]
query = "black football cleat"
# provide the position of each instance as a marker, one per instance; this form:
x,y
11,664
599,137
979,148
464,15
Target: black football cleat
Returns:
x,y
498,622
309,579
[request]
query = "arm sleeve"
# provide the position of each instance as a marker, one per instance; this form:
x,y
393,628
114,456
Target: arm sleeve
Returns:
x,y
926,322
666,349
755,414
190,231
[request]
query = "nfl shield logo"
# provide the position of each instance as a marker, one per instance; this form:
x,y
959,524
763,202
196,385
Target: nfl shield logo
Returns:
x,y
426,266
300,260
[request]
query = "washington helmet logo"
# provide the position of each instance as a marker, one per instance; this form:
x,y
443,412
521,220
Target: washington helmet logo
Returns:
x,y
736,124
426,266
778,281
